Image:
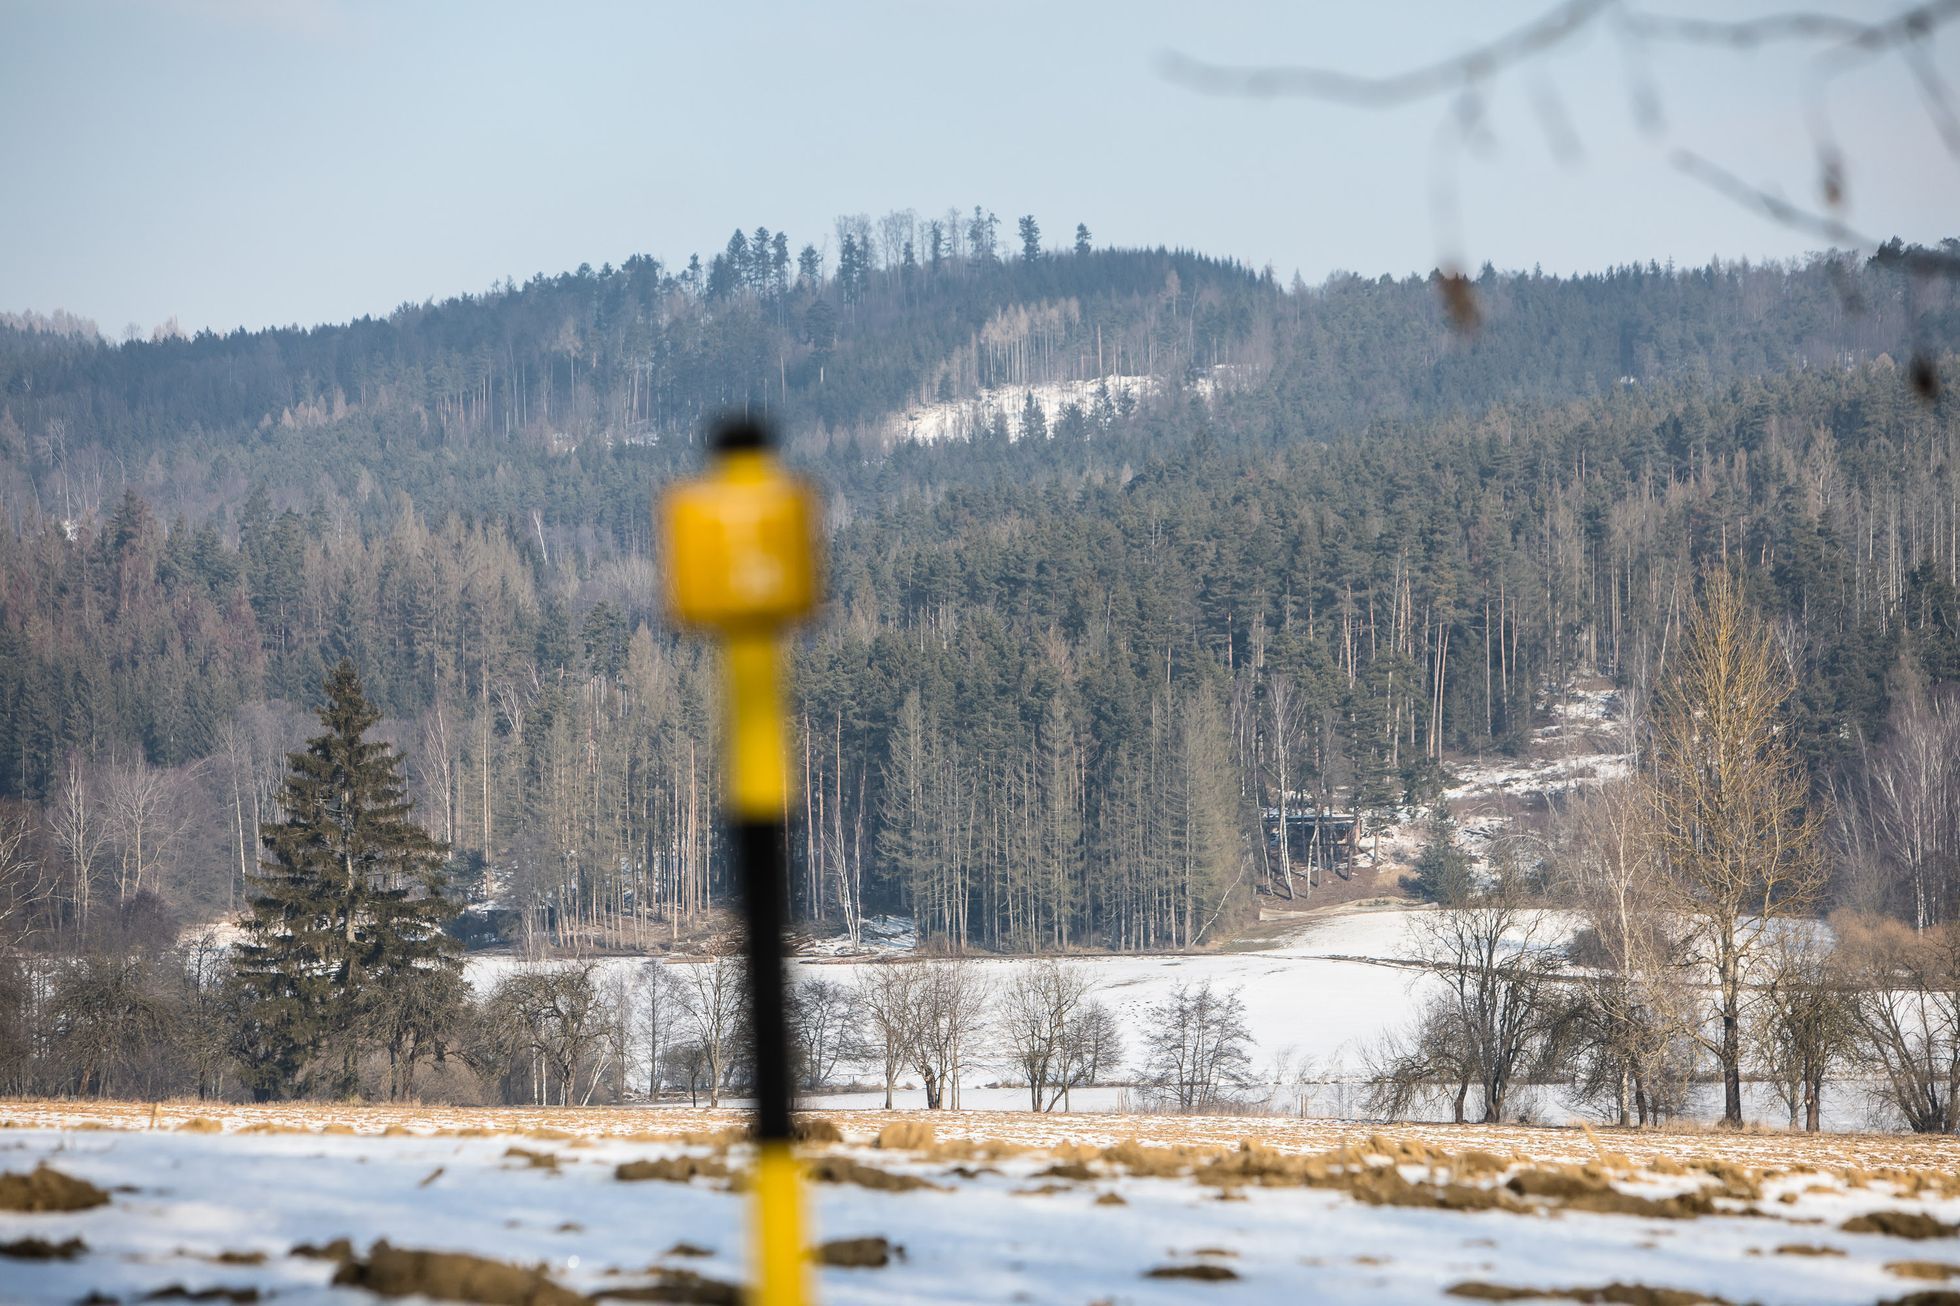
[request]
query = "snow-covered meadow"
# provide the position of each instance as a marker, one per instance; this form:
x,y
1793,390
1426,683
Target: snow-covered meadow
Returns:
x,y
1315,1003
213,1208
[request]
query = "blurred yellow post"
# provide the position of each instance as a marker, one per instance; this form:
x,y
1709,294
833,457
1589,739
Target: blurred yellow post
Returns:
x,y
744,564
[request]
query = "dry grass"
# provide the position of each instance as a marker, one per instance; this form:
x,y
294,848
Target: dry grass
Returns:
x,y
1502,1164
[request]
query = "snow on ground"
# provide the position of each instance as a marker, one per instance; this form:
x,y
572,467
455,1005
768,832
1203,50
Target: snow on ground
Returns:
x,y
1582,746
1316,1002
962,419
197,1211
878,936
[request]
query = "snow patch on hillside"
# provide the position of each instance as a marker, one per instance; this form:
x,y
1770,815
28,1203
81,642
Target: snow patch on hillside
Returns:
x,y
973,416
1581,747
965,419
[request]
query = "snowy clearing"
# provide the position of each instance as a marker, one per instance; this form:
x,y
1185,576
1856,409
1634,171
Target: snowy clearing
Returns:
x,y
1317,1002
197,1209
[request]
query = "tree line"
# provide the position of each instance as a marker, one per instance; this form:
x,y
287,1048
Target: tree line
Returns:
x,y
1669,928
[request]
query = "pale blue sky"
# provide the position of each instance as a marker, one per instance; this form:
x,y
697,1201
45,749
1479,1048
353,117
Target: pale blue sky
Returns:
x,y
233,163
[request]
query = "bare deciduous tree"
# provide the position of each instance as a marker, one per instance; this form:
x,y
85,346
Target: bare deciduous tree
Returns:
x,y
27,882
886,995
825,1026
1731,807
81,832
658,1005
1907,1015
1197,1047
1498,958
1434,1055
1904,808
1805,1018
1041,1024
713,1014
949,1008
549,1018
1631,1013
1097,1044
146,817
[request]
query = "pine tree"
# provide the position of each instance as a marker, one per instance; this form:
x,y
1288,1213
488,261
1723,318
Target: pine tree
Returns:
x,y
345,945
1442,871
1030,239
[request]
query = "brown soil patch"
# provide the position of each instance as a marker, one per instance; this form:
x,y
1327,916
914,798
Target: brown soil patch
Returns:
x,y
679,1286
48,1189
1935,1270
452,1276
843,1170
338,1250
1899,1224
40,1249
1201,1272
532,1160
1158,1162
1111,1198
672,1169
1808,1249
178,1292
687,1249
1578,1190
1627,1294
873,1253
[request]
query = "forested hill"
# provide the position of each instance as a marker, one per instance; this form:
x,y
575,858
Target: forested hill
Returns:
x,y
1250,539
465,403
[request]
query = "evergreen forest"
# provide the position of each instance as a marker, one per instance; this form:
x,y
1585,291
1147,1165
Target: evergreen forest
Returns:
x,y
1192,543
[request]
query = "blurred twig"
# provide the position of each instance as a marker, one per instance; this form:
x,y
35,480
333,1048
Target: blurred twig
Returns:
x,y
1844,43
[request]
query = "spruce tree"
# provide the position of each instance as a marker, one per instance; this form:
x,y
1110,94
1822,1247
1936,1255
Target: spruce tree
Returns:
x,y
344,942
1443,873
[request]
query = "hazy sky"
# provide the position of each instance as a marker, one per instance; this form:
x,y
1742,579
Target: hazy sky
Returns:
x,y
235,163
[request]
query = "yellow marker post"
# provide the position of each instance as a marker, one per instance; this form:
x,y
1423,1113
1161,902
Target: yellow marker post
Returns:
x,y
743,563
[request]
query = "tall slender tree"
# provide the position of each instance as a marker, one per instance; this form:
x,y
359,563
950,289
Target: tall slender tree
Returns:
x,y
1731,806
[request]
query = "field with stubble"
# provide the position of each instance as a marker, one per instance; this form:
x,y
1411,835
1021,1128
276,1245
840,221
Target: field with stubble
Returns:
x,y
129,1202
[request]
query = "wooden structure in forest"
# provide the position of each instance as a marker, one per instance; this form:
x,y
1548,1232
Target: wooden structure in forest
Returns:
x,y
1316,840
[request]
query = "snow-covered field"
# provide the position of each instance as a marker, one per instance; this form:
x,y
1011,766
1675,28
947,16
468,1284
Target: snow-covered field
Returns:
x,y
1315,1002
1405,1216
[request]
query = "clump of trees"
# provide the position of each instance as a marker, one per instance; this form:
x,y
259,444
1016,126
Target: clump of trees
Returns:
x,y
1678,937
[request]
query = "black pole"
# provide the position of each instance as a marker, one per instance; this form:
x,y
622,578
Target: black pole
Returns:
x,y
761,855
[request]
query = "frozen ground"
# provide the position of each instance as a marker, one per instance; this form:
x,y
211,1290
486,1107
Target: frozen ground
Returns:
x,y
1317,1002
1314,1002
196,1210
1582,746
